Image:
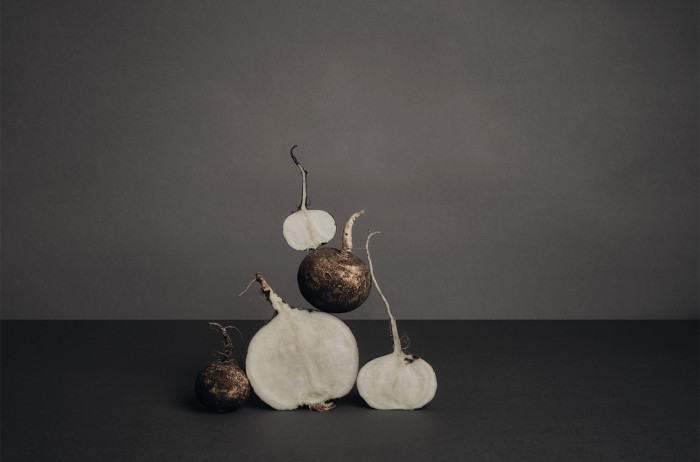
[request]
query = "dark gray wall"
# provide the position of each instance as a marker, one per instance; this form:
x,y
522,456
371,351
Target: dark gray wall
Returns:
x,y
533,159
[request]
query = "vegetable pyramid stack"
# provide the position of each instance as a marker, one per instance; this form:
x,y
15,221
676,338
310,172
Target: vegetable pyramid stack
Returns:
x,y
304,357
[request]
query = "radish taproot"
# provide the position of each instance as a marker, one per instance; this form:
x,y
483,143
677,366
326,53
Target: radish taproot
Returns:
x,y
397,380
222,385
301,357
307,229
335,280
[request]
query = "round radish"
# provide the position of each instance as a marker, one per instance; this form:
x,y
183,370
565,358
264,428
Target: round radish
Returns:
x,y
222,385
335,280
301,357
397,380
307,229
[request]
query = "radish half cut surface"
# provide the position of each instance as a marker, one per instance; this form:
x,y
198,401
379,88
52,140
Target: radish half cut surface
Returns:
x,y
301,357
307,229
397,380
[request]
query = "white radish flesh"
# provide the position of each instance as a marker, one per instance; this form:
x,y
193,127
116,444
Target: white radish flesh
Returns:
x,y
301,357
397,380
307,229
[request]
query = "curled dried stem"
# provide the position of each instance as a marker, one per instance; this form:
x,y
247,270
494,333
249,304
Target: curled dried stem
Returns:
x,y
227,354
266,289
304,172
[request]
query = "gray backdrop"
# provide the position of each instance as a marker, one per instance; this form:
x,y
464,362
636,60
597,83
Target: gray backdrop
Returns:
x,y
533,159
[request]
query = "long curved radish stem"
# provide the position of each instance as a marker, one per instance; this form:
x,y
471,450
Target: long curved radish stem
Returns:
x,y
396,380
392,319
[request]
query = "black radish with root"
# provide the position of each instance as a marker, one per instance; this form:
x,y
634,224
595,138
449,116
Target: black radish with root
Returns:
x,y
335,280
222,385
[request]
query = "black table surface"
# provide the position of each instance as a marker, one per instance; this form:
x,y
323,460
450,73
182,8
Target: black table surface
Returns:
x,y
507,391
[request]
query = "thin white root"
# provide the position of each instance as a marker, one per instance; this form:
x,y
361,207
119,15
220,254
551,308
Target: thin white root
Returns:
x,y
394,331
247,287
237,330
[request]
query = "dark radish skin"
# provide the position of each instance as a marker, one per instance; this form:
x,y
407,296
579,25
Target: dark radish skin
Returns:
x,y
222,385
335,281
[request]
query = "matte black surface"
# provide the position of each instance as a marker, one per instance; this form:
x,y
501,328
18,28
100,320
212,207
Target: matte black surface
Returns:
x,y
507,391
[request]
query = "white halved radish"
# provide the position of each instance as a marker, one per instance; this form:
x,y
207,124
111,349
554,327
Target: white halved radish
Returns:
x,y
301,357
397,380
307,229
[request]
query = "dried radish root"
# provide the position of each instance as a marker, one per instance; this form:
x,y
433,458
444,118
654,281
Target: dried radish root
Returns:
x,y
307,229
222,385
335,280
397,380
301,357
